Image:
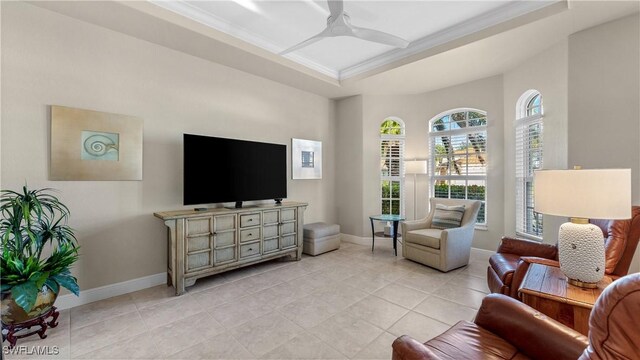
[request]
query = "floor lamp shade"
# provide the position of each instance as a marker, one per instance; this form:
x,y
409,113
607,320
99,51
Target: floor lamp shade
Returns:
x,y
583,195
415,167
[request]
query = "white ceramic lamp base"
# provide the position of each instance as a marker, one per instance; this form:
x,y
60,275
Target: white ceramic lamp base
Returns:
x,y
581,253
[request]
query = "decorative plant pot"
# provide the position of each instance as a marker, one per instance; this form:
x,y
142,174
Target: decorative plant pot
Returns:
x,y
12,313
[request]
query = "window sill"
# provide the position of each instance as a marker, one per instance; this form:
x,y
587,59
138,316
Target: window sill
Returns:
x,y
529,237
482,227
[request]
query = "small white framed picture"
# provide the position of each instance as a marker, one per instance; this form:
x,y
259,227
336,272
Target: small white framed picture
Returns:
x,y
306,159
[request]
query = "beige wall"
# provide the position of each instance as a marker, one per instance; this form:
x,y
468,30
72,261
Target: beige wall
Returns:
x,y
52,59
348,163
547,73
604,100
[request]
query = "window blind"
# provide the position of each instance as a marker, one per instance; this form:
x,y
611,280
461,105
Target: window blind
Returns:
x,y
529,151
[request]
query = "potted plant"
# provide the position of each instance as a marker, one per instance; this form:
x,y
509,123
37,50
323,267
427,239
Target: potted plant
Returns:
x,y
38,249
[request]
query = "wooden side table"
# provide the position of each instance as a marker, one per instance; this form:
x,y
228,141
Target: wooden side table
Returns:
x,y
546,289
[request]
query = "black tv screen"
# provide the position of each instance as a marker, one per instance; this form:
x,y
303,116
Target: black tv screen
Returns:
x,y
218,170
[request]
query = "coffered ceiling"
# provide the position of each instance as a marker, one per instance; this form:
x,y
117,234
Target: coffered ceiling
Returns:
x,y
278,25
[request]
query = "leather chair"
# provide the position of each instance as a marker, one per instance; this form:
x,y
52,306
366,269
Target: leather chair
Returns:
x,y
509,265
505,328
446,249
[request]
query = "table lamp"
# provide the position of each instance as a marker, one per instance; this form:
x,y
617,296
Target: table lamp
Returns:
x,y
415,167
583,195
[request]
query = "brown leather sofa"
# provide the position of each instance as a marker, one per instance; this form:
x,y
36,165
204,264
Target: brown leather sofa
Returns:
x,y
505,328
509,265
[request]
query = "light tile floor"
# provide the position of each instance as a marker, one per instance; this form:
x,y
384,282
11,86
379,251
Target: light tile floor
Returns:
x,y
346,304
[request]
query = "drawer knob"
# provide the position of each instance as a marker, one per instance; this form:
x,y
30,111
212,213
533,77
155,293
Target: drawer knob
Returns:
x,y
250,234
250,219
250,249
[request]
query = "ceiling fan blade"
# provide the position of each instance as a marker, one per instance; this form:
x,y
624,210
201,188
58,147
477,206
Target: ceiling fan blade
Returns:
x,y
335,7
379,37
307,42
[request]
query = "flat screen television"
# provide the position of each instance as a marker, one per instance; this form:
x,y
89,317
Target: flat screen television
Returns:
x,y
218,170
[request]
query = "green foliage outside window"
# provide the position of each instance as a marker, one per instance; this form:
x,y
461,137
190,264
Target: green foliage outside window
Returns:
x,y
473,192
391,197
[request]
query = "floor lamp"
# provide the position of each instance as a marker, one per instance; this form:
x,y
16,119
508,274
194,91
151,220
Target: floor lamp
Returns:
x,y
415,168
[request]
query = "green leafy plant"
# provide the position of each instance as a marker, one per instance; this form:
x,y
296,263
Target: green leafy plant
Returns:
x,y
31,220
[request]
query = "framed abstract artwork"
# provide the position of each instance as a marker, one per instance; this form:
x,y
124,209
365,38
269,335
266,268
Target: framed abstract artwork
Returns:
x,y
306,159
94,145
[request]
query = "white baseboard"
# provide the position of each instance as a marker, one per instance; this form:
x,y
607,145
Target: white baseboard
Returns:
x,y
358,240
68,301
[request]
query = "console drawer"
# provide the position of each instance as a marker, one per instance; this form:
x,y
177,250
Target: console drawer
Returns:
x,y
249,250
250,234
249,220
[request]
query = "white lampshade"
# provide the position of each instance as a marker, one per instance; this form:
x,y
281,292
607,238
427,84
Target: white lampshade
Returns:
x,y
589,194
415,167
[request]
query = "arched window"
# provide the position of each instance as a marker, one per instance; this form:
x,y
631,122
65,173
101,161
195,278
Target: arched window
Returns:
x,y
458,160
391,165
529,146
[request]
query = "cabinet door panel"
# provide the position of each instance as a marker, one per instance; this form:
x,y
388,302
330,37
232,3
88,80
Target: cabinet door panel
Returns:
x,y
224,239
224,222
287,214
224,255
270,231
271,217
288,241
197,261
197,243
270,245
288,228
198,226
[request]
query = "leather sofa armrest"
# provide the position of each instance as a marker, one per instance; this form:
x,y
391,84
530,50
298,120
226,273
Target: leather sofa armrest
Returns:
x,y
415,224
532,332
521,271
408,348
523,247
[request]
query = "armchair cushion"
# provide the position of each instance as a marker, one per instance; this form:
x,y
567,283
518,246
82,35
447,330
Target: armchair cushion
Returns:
x,y
447,217
425,237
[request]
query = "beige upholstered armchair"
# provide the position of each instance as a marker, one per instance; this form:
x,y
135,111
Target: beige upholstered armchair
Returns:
x,y
446,249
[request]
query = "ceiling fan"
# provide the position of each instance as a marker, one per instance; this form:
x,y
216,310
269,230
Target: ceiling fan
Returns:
x,y
339,24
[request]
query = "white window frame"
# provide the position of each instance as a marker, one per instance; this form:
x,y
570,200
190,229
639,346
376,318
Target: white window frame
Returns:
x,y
400,178
468,130
523,170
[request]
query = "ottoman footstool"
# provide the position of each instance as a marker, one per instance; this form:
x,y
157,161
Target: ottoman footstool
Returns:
x,y
320,237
